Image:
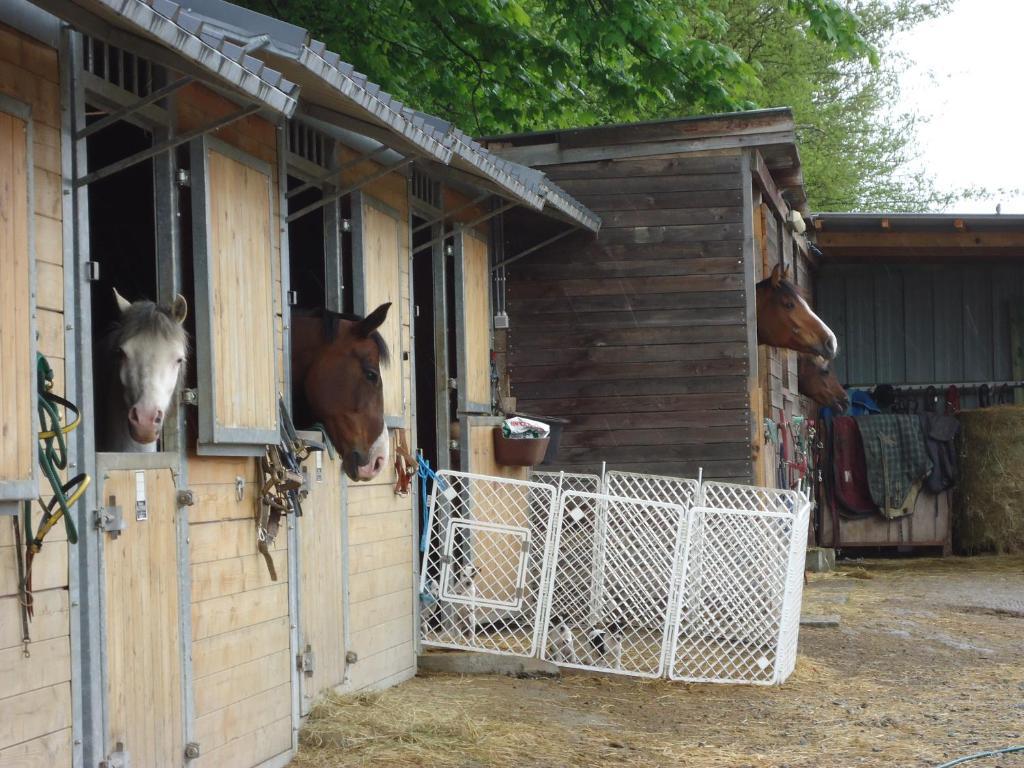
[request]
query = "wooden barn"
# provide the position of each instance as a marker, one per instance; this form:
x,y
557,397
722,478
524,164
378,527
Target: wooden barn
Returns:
x,y
645,337
162,150
920,303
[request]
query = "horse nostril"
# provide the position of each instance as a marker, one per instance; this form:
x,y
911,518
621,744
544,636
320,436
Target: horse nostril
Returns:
x,y
159,418
133,415
359,458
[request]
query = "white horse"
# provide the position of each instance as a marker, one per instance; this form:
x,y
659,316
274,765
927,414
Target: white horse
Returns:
x,y
143,357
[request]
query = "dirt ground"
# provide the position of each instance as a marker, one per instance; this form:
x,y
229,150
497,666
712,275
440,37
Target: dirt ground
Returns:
x,y
926,665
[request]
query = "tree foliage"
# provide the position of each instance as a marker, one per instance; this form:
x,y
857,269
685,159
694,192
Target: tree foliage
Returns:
x,y
496,66
855,145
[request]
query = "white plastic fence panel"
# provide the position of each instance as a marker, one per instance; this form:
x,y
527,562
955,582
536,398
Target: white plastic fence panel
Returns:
x,y
569,481
613,613
739,610
634,485
482,576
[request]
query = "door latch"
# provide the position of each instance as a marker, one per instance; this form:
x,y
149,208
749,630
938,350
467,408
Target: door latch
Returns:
x,y
306,661
110,519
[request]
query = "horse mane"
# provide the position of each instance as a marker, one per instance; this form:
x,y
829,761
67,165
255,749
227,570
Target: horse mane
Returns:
x,y
144,317
331,324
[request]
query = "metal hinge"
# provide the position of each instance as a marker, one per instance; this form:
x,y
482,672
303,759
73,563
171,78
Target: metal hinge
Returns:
x,y
184,178
305,661
119,758
92,271
453,384
189,397
186,497
192,750
110,519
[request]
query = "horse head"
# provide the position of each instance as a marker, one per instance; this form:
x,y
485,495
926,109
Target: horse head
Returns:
x,y
817,381
336,364
147,346
784,319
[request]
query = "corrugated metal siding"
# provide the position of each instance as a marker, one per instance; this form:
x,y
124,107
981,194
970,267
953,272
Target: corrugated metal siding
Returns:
x,y
920,324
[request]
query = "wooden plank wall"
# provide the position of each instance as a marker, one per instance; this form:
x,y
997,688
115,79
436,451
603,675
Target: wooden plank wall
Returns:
x,y
777,368
380,534
35,693
639,338
241,652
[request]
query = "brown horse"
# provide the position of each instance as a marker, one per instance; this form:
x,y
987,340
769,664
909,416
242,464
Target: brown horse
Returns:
x,y
817,381
785,320
336,380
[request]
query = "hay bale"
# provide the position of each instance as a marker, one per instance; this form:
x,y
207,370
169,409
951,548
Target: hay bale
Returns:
x,y
991,490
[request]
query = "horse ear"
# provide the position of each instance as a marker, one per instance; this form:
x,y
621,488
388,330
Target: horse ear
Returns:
x,y
786,272
122,303
179,309
372,321
776,277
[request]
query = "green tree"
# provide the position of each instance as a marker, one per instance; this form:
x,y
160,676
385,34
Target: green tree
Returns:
x,y
494,66
855,147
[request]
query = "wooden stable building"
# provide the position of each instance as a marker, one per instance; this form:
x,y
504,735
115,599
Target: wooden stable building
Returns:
x,y
645,338
922,301
164,150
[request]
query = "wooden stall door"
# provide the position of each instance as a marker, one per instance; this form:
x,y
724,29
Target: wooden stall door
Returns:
x,y
17,342
473,321
233,221
143,641
379,254
321,579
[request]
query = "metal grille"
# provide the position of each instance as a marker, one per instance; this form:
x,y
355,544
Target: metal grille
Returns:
x,y
425,189
612,614
483,569
120,68
739,609
309,143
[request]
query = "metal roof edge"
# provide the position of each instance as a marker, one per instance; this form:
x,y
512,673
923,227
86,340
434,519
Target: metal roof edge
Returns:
x,y
318,65
170,23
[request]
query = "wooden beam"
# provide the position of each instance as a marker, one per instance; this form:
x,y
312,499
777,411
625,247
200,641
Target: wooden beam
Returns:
x,y
555,154
763,176
944,240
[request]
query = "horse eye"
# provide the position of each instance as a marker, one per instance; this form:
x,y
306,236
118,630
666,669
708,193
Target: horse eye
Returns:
x,y
180,360
371,376
789,304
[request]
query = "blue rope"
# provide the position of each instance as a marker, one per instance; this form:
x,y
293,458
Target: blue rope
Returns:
x,y
980,755
424,473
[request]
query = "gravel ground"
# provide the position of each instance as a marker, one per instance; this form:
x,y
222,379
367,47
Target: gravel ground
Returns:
x,y
927,664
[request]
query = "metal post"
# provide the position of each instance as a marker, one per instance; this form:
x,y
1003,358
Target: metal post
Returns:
x,y
470,224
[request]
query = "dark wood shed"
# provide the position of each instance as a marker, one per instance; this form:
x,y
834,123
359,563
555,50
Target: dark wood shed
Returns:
x,y
644,337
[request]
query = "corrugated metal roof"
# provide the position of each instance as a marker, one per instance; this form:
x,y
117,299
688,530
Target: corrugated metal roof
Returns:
x,y
438,138
173,27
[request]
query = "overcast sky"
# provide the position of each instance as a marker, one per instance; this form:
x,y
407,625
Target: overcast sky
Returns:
x,y
967,80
